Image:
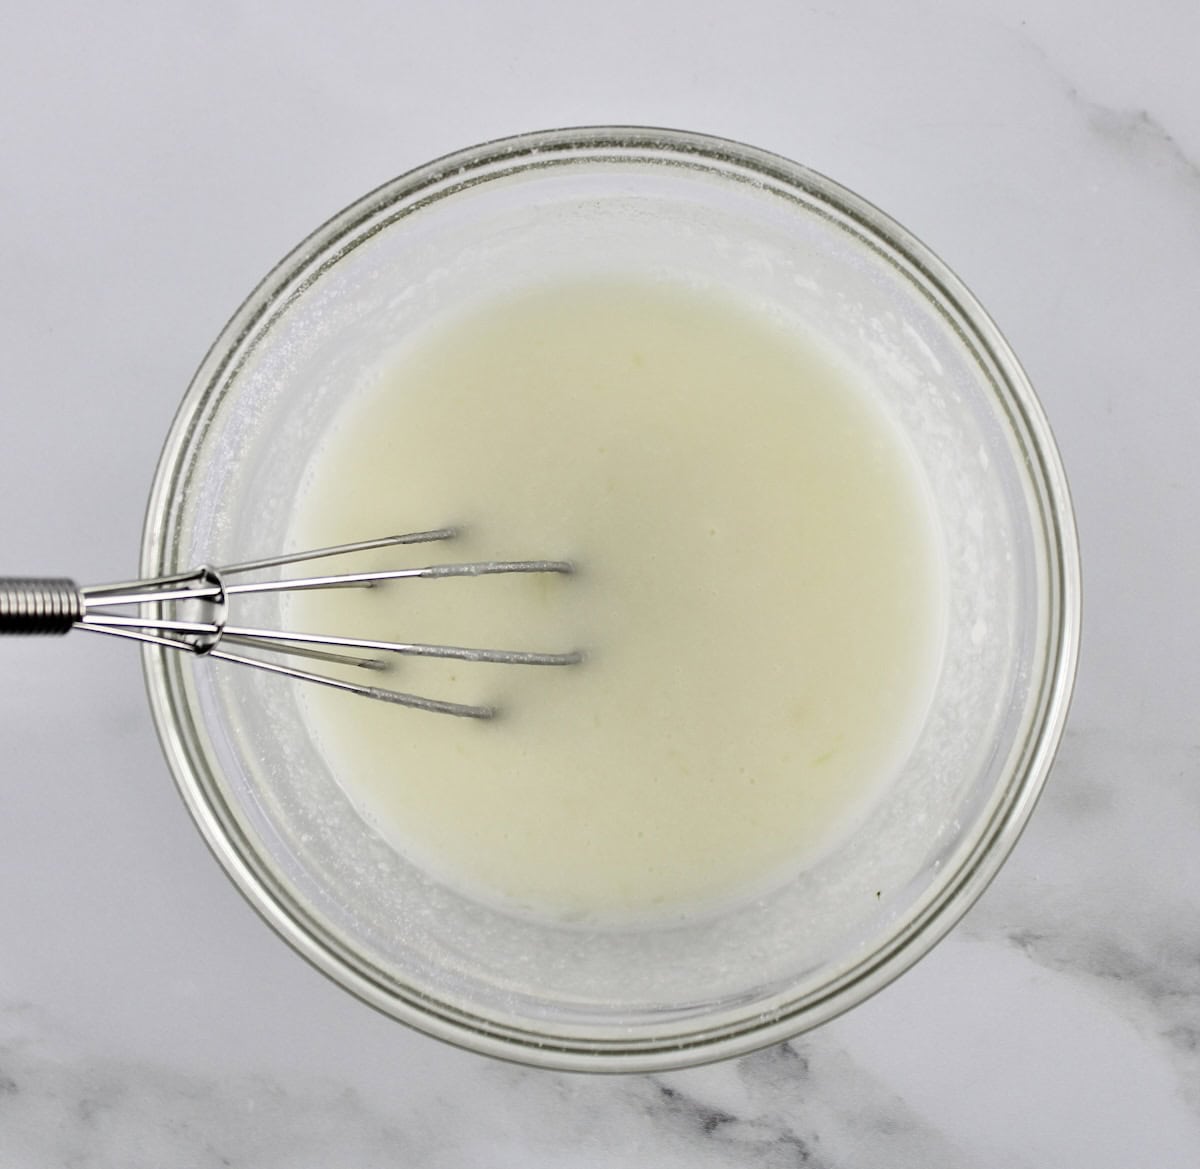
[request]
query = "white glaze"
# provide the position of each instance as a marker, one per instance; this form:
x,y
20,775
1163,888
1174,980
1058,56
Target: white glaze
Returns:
x,y
757,592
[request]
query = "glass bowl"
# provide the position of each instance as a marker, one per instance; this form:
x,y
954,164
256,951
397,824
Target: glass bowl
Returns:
x,y
481,223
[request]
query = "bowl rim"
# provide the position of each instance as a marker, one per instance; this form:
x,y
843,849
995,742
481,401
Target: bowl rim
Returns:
x,y
943,905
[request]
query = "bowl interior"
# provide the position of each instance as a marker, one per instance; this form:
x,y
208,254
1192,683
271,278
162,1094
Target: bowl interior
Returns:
x,y
676,207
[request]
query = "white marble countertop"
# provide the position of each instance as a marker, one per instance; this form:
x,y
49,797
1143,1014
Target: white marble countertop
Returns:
x,y
158,159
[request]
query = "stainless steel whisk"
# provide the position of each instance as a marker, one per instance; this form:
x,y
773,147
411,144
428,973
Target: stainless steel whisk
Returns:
x,y
36,605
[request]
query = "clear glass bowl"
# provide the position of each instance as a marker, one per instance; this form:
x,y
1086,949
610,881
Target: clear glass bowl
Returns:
x,y
497,217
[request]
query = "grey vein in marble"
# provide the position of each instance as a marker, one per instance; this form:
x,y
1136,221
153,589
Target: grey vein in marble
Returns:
x,y
1135,131
1135,941
1138,130
803,1105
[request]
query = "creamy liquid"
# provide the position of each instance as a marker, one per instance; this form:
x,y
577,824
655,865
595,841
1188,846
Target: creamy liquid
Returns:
x,y
758,593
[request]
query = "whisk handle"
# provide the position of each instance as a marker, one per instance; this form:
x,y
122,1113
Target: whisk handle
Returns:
x,y
33,605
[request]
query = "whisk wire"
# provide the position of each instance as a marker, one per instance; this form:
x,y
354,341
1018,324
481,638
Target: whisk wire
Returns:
x,y
340,550
29,605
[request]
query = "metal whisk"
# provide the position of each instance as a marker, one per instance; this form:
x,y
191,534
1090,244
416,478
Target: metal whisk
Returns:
x,y
34,605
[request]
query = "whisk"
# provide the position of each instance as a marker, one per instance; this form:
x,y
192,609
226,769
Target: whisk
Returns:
x,y
37,605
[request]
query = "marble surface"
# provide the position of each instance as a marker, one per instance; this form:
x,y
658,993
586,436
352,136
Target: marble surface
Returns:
x,y
158,159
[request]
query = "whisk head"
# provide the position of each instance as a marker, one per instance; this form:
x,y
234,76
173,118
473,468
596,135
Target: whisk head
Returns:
x,y
57,605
